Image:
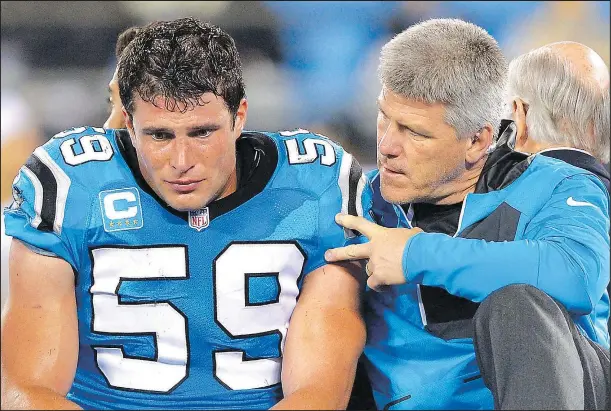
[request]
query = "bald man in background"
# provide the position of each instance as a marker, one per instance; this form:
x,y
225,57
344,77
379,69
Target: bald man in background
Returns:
x,y
559,96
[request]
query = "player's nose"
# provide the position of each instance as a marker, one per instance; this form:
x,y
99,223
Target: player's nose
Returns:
x,y
181,159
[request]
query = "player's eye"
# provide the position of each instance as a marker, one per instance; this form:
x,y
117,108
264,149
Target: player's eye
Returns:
x,y
160,136
204,133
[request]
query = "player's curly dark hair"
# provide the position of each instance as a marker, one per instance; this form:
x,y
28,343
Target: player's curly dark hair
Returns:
x,y
180,60
124,38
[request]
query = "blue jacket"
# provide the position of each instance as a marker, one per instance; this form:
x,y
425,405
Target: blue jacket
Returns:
x,y
544,223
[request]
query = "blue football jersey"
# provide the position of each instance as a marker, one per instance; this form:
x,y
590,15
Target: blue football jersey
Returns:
x,y
184,310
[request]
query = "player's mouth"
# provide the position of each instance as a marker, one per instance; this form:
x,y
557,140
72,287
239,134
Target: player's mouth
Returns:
x,y
184,186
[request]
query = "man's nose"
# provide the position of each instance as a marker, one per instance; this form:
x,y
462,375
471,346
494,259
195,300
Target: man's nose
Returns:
x,y
181,157
387,144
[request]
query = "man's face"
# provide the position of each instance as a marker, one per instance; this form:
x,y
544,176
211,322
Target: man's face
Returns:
x,y
115,119
419,155
188,159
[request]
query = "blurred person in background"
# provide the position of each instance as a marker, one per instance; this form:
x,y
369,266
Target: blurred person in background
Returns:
x,y
116,118
493,295
147,277
559,98
20,136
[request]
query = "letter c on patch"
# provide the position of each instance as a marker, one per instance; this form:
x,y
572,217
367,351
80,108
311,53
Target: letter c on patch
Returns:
x,y
109,205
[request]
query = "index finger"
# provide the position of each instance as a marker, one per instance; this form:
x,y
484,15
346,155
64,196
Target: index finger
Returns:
x,y
357,223
349,252
375,284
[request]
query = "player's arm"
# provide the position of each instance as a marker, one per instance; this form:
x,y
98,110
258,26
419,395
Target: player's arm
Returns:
x,y
39,332
326,336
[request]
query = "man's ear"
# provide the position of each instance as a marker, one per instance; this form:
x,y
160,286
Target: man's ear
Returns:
x,y
478,144
519,117
240,118
129,125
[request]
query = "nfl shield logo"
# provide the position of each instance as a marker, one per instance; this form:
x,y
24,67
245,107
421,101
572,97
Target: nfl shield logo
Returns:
x,y
199,219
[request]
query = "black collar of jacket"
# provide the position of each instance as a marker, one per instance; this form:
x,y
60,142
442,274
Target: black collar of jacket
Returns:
x,y
504,164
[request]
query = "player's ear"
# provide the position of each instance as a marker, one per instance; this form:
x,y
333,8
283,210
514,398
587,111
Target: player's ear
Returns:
x,y
129,124
240,118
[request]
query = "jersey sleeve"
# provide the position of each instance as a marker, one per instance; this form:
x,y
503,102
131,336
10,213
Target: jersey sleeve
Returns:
x,y
50,209
351,194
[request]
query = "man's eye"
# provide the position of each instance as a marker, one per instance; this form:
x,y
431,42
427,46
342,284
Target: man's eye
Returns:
x,y
404,129
160,136
204,133
411,132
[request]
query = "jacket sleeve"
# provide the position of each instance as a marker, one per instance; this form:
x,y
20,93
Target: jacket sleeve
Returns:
x,y
565,252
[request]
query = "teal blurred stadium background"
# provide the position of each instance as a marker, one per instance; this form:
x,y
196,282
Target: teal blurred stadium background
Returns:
x,y
306,64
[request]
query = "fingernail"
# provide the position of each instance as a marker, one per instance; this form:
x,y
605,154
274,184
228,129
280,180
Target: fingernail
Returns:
x,y
338,218
327,255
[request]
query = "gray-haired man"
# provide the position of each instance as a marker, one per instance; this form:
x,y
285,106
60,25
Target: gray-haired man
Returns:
x,y
498,285
559,97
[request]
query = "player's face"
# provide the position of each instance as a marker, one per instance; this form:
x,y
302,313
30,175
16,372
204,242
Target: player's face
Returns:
x,y
419,155
115,119
188,159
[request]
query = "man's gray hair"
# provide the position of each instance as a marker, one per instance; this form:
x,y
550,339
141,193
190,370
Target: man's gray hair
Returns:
x,y
448,61
563,107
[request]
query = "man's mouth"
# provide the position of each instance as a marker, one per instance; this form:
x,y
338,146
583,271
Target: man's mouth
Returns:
x,y
184,186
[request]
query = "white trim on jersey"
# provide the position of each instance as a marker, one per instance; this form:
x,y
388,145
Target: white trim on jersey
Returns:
x,y
344,180
359,194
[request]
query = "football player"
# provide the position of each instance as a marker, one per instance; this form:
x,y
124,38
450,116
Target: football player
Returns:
x,y
178,264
